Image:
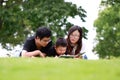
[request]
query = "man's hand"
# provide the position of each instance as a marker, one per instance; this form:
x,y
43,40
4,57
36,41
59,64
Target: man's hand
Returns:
x,y
33,53
42,54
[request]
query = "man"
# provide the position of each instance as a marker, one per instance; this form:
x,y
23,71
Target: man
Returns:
x,y
38,45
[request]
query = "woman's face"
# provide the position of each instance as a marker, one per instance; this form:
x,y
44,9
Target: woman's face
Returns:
x,y
74,37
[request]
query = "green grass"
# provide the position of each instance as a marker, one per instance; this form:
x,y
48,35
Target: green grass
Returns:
x,y
58,69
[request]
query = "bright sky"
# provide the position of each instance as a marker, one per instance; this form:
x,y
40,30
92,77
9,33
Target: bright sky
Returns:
x,y
92,7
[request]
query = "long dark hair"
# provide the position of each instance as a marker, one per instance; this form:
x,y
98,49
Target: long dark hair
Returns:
x,y
79,43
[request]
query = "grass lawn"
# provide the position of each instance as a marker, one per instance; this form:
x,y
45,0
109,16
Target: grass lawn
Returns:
x,y
58,69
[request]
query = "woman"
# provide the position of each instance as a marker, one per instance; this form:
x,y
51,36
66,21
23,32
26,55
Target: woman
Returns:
x,y
74,40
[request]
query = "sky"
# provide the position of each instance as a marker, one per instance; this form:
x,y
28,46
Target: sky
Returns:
x,y
92,8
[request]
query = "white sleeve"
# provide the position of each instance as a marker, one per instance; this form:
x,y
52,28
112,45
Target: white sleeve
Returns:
x,y
83,49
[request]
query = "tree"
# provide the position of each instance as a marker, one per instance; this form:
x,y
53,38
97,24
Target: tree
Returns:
x,y
20,18
108,29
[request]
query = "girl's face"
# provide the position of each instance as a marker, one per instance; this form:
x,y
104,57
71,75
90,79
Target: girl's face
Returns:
x,y
74,37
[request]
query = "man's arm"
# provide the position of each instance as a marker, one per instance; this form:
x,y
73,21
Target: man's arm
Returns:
x,y
32,54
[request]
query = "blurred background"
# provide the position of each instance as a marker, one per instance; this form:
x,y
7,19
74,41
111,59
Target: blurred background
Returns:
x,y
100,20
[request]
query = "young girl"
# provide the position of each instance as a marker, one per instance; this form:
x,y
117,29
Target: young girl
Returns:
x,y
74,40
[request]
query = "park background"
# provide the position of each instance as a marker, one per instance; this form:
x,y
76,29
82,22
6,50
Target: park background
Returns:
x,y
100,20
91,16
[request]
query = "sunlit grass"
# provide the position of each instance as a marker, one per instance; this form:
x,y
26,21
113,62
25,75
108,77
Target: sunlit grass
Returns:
x,y
58,69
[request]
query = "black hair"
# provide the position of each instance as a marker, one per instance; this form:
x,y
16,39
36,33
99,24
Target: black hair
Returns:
x,y
42,32
61,42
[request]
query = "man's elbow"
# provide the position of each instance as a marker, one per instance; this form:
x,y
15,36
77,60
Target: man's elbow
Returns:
x,y
24,53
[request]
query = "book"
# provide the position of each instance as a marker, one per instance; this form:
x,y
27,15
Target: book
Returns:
x,y
66,56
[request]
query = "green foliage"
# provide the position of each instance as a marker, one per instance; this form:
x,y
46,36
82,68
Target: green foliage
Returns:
x,y
108,32
85,31
57,69
18,18
110,2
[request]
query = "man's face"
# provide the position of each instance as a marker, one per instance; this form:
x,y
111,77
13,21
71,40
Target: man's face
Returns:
x,y
60,50
42,42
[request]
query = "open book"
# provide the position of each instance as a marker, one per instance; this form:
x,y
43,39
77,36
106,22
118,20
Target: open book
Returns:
x,y
66,56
